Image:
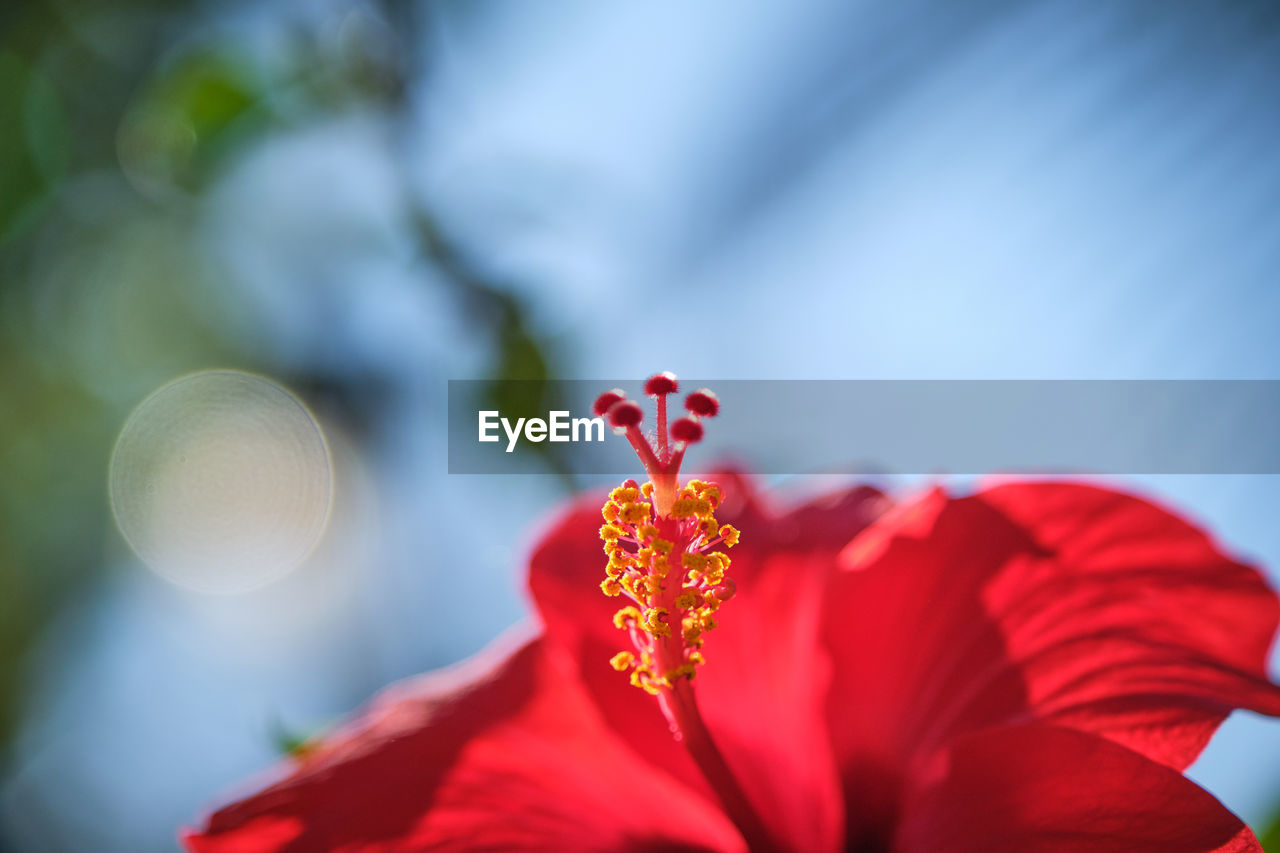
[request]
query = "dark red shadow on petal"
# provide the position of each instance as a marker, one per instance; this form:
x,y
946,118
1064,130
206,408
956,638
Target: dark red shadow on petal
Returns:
x,y
1054,790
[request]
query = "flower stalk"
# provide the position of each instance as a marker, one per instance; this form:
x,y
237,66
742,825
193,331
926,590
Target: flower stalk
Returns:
x,y
680,705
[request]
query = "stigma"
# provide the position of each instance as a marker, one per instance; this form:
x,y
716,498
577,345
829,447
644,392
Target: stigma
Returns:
x,y
663,542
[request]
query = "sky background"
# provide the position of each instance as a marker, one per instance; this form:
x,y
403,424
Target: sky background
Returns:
x,y
363,201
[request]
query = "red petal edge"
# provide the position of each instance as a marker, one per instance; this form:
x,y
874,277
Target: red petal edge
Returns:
x,y
509,757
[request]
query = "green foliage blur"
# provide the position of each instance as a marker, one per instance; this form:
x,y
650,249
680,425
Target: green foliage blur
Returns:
x,y
1270,837
117,119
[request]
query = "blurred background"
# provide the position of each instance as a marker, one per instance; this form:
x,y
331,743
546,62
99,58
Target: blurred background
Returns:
x,y
364,199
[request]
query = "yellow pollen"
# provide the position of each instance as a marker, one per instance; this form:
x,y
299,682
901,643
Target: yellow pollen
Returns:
x,y
660,567
683,507
689,560
688,598
646,587
641,679
626,615
684,670
655,620
634,513
667,626
624,494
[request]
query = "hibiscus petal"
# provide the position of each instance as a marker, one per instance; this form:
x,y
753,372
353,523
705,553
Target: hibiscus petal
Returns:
x,y
1051,601
507,758
763,687
767,656
1055,790
762,694
1132,623
916,658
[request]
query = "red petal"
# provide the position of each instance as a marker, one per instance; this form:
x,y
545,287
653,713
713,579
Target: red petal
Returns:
x,y
1055,601
916,658
1133,624
762,694
515,758
762,688
1055,790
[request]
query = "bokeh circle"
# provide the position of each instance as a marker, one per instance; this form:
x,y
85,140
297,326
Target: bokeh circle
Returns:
x,y
221,481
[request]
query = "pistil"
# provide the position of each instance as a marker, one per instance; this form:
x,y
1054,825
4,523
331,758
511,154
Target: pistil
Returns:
x,y
680,705
662,542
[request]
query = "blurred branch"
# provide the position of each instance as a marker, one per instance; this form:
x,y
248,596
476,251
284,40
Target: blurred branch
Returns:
x,y
519,353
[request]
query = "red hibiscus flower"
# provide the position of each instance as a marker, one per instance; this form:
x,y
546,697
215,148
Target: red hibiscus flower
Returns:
x,y
1029,668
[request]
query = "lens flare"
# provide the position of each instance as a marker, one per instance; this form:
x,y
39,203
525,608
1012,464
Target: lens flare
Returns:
x,y
221,481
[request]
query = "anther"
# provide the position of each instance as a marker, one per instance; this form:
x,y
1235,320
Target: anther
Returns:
x,y
626,617
730,535
725,590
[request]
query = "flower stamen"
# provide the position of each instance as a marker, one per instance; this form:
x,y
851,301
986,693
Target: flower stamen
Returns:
x,y
684,537
650,528
661,540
